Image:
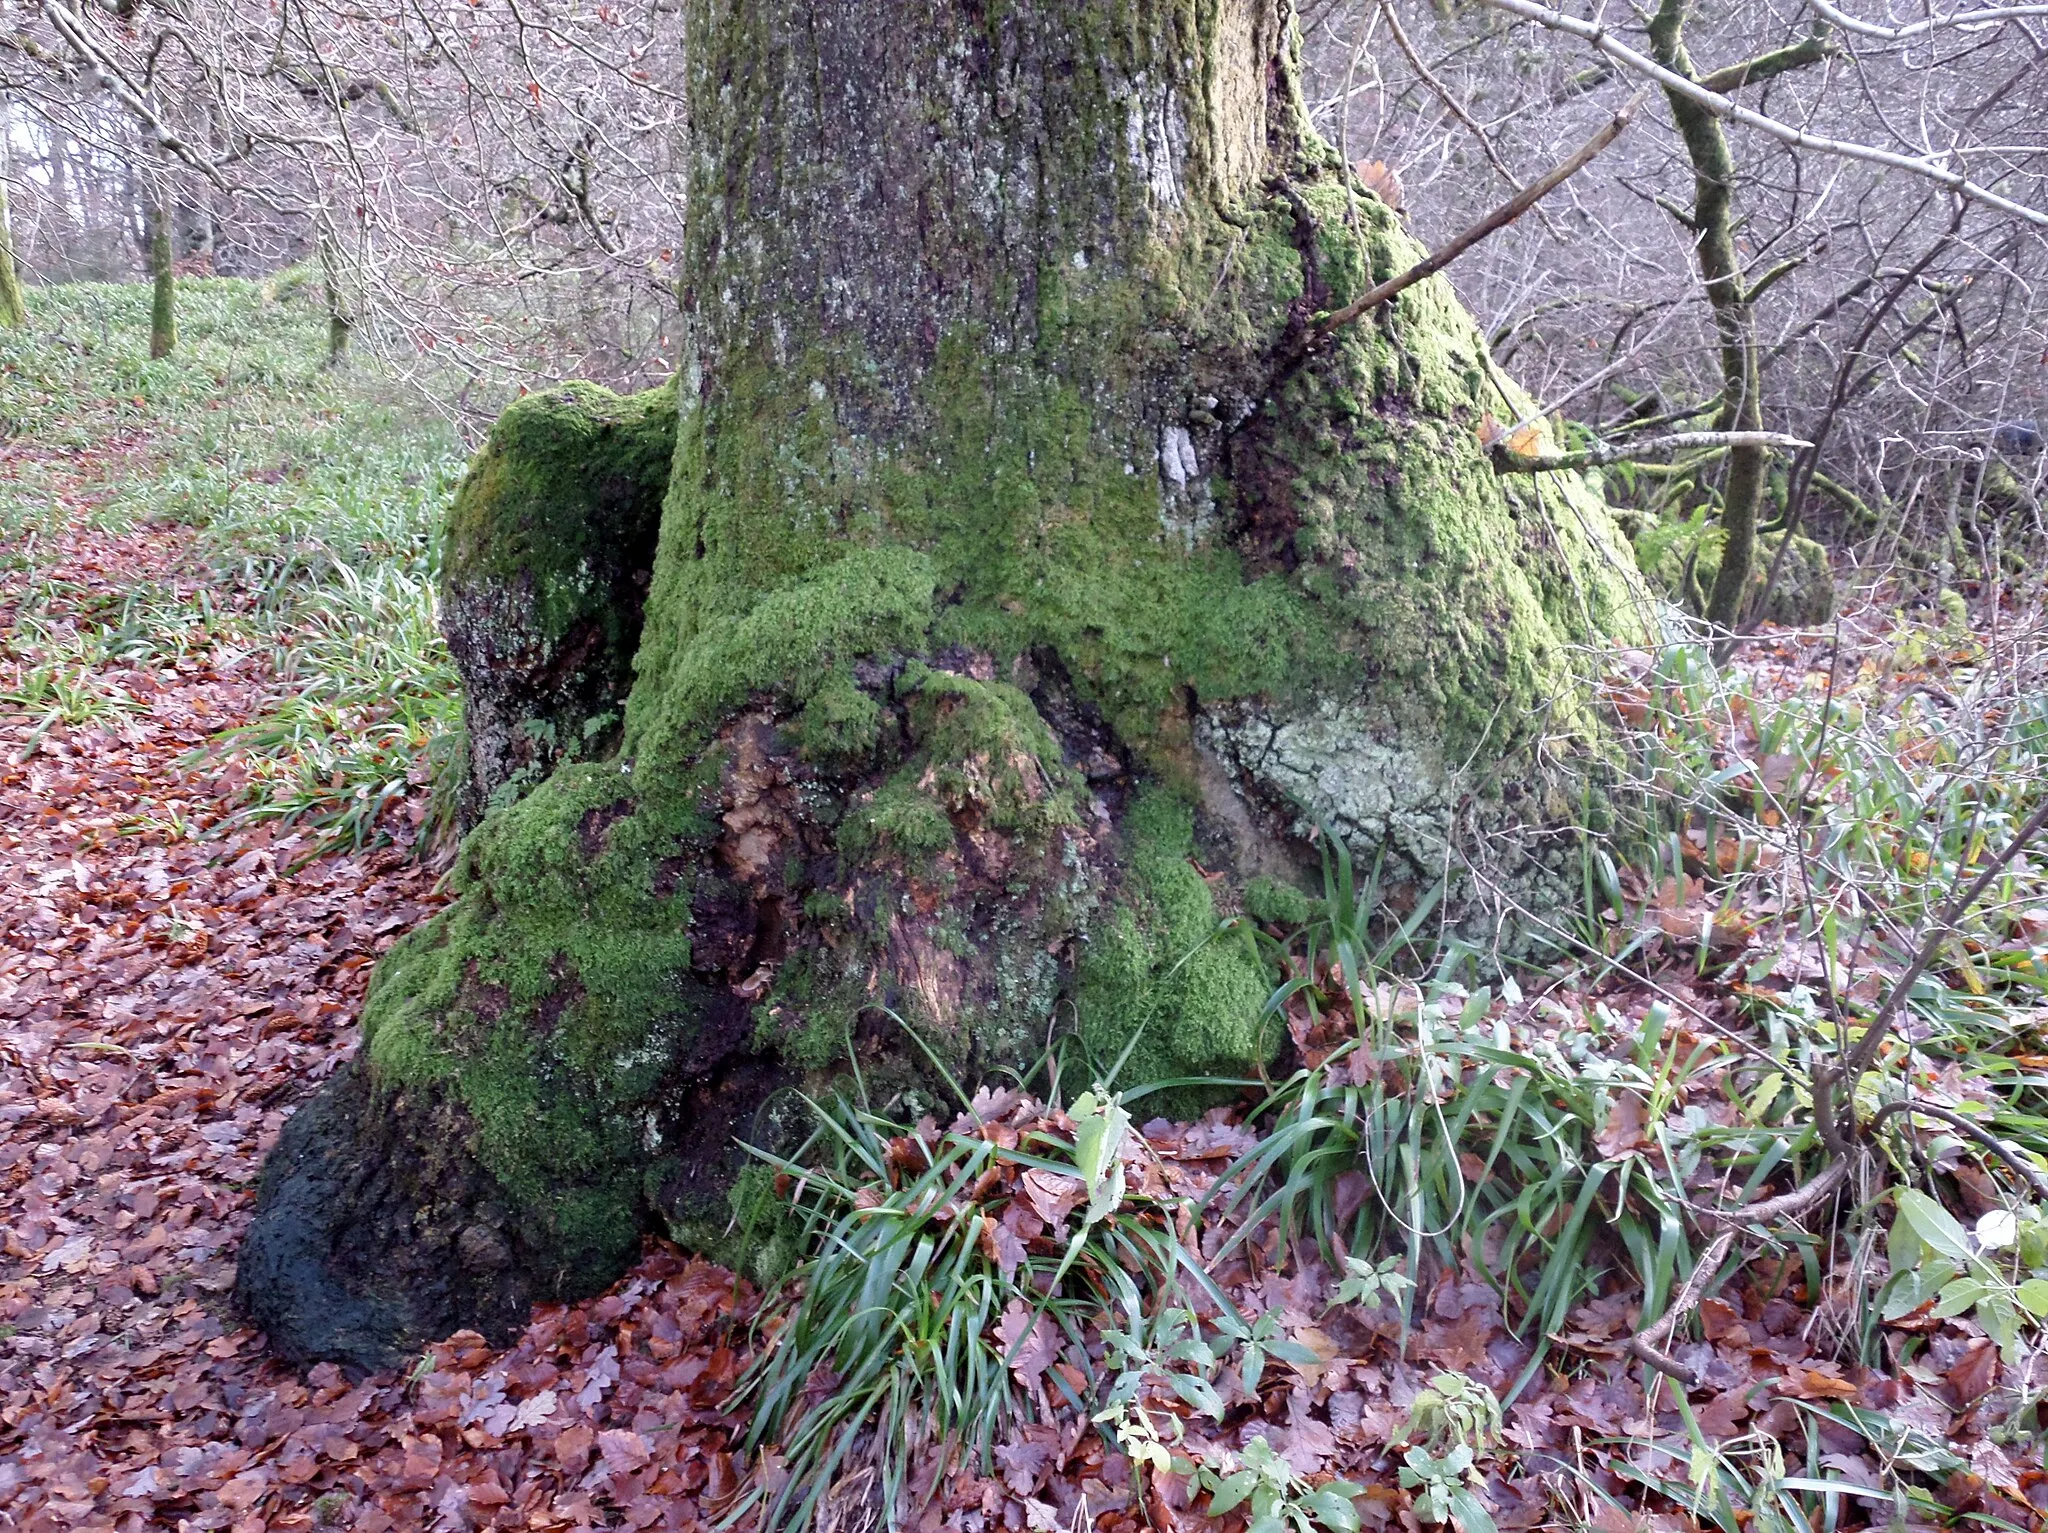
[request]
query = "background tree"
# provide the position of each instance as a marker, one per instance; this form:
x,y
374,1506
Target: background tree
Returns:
x,y
12,309
1899,327
156,226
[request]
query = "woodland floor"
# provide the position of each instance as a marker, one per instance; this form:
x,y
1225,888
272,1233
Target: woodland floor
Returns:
x,y
164,1004
175,979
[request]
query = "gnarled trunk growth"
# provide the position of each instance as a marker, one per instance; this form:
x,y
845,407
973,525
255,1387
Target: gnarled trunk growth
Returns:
x,y
548,555
1023,598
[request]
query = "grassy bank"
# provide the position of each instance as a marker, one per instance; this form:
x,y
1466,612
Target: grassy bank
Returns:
x,y
314,497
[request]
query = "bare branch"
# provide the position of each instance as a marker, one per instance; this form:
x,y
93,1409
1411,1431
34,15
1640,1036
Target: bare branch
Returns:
x,y
73,30
1508,461
1921,28
1810,49
1493,222
1720,106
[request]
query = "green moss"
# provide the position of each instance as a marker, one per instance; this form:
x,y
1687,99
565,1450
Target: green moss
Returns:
x,y
898,818
1040,511
761,1235
982,745
566,479
1272,903
792,641
1683,563
980,752
1386,609
552,995
840,723
547,553
1161,970
825,1001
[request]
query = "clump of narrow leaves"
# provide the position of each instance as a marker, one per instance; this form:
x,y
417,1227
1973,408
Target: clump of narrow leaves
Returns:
x,y
953,1275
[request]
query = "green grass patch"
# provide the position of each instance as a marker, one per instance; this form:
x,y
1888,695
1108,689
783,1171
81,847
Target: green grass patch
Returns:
x,y
317,496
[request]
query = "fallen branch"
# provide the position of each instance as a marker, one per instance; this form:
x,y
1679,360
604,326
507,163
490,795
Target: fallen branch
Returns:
x,y
1648,1346
1779,1210
1507,461
1492,223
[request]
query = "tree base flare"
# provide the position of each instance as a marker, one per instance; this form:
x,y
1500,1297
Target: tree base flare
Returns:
x,y
1026,599
376,1228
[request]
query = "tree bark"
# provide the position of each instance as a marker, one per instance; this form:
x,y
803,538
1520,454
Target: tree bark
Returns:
x,y
60,177
341,322
1027,594
163,303
13,311
1720,268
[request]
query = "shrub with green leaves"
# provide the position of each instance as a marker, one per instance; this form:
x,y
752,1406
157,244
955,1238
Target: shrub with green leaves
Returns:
x,y
1275,1499
1997,1273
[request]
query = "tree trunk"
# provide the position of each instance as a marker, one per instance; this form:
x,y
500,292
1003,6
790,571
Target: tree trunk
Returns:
x,y
1720,268
163,311
60,177
340,314
1028,590
13,311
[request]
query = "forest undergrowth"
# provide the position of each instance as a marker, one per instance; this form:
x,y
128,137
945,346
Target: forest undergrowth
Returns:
x,y
1489,1252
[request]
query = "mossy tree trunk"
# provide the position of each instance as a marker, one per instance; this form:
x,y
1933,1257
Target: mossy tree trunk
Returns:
x,y
1025,594
341,322
1712,224
13,311
163,303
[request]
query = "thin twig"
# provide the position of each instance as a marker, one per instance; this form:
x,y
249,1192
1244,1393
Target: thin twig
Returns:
x,y
1451,104
2011,1154
1720,106
1865,1052
1492,223
1648,1346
